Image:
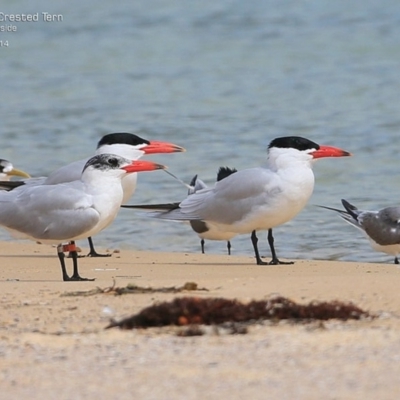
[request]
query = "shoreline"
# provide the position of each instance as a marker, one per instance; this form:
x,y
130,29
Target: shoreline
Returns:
x,y
43,331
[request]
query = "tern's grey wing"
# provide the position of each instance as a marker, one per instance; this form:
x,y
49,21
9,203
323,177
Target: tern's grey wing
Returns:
x,y
383,227
67,173
57,212
232,198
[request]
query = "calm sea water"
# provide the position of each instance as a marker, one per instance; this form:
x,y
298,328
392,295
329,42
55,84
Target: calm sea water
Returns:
x,y
221,79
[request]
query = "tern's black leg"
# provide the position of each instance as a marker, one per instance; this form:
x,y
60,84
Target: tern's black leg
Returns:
x,y
75,276
61,257
74,255
275,260
228,245
93,252
202,246
396,260
254,240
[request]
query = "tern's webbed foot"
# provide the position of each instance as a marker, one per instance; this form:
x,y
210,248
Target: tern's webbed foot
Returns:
x,y
93,252
279,262
274,261
96,254
75,278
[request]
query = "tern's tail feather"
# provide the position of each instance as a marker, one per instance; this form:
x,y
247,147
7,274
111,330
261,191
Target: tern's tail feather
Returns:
x,y
341,212
169,211
10,185
352,210
154,207
350,215
173,215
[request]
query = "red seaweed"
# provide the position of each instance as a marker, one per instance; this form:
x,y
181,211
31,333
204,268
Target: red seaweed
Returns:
x,y
215,311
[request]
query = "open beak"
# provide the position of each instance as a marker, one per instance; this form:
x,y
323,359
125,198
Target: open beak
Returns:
x,y
141,166
329,151
18,172
156,147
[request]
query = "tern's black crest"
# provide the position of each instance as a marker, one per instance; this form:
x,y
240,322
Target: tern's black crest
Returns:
x,y
106,162
122,138
294,142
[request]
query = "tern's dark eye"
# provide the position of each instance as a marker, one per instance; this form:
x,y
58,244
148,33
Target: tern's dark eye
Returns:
x,y
113,162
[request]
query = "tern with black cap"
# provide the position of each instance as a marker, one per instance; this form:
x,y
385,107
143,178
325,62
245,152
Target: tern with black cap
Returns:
x,y
123,144
255,199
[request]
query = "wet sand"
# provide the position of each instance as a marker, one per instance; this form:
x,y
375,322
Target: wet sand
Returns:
x,y
55,346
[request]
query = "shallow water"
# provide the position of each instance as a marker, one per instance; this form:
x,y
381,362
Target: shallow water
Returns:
x,y
221,79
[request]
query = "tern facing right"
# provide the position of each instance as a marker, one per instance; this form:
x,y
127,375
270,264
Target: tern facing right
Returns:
x,y
381,227
256,198
7,170
123,144
66,212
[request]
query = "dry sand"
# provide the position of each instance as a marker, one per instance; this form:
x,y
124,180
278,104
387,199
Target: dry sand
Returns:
x,y
55,346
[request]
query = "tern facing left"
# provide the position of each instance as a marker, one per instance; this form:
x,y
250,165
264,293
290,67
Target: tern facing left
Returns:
x,y
70,211
381,227
257,198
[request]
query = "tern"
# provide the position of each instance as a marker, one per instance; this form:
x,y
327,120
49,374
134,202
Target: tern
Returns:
x,y
66,212
203,230
382,227
122,144
7,171
256,198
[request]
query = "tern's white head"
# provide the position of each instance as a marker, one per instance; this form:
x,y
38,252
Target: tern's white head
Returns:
x,y
291,150
7,171
132,146
114,165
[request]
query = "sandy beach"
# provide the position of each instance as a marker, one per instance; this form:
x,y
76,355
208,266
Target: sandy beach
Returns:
x,y
54,345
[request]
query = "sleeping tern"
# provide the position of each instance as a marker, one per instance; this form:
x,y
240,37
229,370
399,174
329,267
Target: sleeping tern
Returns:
x,y
256,198
7,171
122,144
66,212
382,227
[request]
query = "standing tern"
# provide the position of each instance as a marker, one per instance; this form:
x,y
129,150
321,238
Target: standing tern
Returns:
x,y
122,144
382,227
203,230
7,171
66,212
256,198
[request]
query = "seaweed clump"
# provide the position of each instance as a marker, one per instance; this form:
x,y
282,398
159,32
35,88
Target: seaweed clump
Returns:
x,y
184,311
